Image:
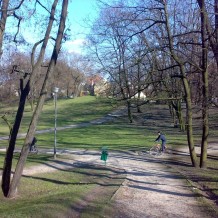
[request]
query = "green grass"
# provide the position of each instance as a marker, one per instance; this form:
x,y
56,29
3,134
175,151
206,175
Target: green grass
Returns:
x,y
69,111
41,193
73,111
115,137
54,194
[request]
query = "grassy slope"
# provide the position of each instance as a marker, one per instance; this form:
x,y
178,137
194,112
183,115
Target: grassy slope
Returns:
x,y
69,111
119,135
47,194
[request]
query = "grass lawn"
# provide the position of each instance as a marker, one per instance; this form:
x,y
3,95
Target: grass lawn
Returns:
x,y
69,111
44,191
53,194
115,137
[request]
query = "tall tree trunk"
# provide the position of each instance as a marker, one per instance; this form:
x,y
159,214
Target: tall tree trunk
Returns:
x,y
129,111
35,67
38,109
189,129
180,117
138,88
32,128
4,16
186,89
205,129
178,109
6,175
211,33
138,102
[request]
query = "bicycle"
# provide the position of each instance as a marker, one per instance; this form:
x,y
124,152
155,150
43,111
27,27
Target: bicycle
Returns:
x,y
156,150
33,147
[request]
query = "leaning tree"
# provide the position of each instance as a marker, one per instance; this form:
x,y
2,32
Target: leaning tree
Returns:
x,y
9,186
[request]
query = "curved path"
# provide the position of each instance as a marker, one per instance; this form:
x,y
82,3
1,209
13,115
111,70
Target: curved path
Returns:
x,y
151,189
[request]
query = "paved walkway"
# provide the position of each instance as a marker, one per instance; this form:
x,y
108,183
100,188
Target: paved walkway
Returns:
x,y
151,189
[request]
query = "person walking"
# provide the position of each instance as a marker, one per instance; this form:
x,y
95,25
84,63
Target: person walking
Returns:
x,y
161,137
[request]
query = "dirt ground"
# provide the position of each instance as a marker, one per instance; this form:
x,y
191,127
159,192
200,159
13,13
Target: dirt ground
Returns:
x,y
151,189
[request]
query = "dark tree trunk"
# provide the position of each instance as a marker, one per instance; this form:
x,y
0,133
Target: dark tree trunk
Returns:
x,y
187,90
178,111
205,129
211,33
129,111
189,128
31,131
6,175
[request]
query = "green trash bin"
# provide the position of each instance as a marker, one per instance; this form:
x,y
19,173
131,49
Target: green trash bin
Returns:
x,y
104,154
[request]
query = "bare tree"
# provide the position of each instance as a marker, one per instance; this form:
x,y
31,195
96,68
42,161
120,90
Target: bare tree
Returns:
x,y
122,57
31,131
25,84
177,38
205,89
68,78
154,20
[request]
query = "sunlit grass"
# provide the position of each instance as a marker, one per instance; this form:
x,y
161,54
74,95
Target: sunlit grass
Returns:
x,y
94,137
53,194
69,111
115,135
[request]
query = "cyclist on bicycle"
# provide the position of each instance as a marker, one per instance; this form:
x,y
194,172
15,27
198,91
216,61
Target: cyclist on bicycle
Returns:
x,y
163,140
33,144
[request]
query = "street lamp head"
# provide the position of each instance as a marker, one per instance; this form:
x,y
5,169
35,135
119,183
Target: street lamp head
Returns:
x,y
55,89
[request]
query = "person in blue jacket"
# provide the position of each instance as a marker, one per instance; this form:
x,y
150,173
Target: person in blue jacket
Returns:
x,y
161,137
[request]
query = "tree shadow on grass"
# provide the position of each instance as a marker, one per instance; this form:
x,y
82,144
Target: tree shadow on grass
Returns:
x,y
98,175
212,157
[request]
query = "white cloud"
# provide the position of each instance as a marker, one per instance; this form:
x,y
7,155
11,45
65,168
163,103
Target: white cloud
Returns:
x,y
28,36
74,46
77,41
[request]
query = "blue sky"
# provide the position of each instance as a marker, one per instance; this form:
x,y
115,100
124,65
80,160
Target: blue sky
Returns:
x,y
79,10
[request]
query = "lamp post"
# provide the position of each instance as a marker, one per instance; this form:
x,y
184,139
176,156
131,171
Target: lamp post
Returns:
x,y
55,94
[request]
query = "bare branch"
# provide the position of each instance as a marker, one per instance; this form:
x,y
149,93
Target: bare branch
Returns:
x,y
15,8
18,25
